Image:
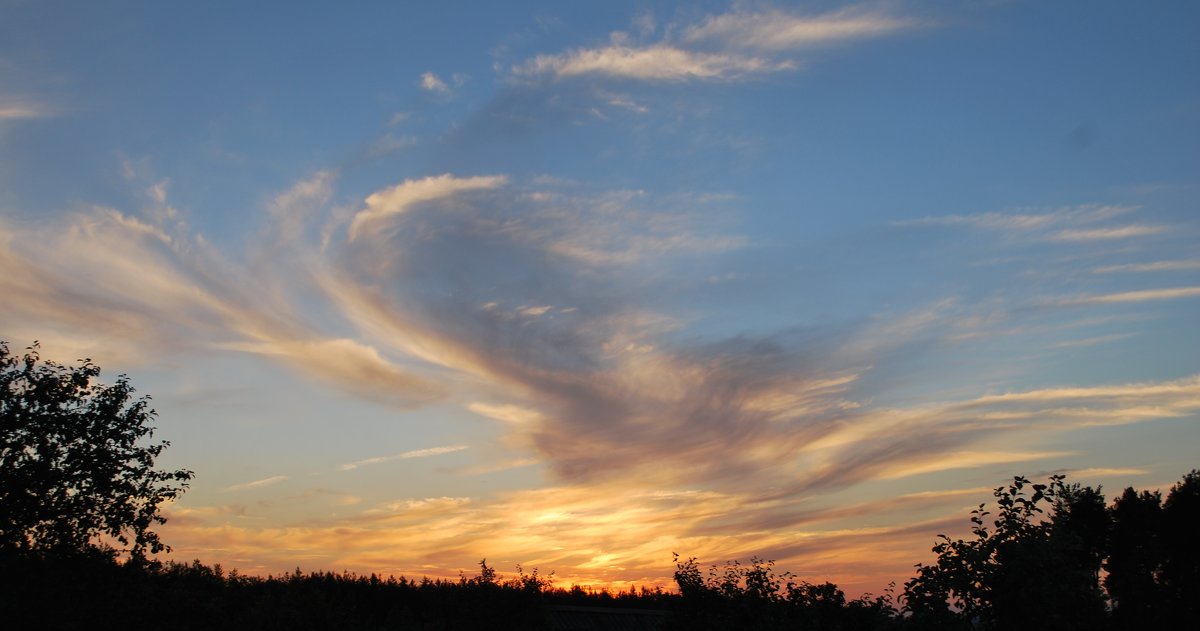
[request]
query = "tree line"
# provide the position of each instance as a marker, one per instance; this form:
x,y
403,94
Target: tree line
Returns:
x,y
79,498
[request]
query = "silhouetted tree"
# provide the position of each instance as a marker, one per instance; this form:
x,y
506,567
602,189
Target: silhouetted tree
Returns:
x,y
74,465
1134,562
1181,549
1022,572
1079,536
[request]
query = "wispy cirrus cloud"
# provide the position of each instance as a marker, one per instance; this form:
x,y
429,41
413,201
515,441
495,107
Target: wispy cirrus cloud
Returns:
x,y
1094,340
1049,224
257,484
1106,234
406,455
401,197
168,289
1106,472
1154,266
591,390
14,108
779,30
12,111
723,47
968,460
547,306
1141,295
660,62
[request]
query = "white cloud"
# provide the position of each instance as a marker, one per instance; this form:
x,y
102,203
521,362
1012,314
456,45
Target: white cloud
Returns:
x,y
625,102
399,198
1105,234
257,484
432,83
291,209
351,365
778,30
661,62
966,460
1156,266
15,112
721,48
1143,295
1023,221
1093,341
512,414
21,109
1104,472
407,455
115,277
534,312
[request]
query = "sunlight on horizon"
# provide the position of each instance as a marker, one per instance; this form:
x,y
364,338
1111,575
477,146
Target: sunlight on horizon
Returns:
x,y
579,287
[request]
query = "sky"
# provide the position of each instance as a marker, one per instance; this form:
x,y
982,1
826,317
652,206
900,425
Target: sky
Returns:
x,y
579,285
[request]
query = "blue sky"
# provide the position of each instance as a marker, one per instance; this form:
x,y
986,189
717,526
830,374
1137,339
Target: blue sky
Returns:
x,y
577,286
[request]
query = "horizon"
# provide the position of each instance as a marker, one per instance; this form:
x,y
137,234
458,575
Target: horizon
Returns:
x,y
579,287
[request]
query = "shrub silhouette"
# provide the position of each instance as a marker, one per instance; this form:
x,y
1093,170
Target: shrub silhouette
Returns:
x,y
754,596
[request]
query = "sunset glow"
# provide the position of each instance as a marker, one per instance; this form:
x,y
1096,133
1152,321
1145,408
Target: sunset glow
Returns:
x,y
578,286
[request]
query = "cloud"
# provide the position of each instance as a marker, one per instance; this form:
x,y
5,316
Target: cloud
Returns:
x,y
257,484
401,197
507,465
350,365
656,63
611,536
534,312
777,30
745,444
603,391
1143,295
608,532
292,210
432,83
1093,341
1105,234
880,442
1155,266
152,291
407,455
1107,472
1017,222
725,47
16,108
19,112
625,102
513,414
388,144
968,459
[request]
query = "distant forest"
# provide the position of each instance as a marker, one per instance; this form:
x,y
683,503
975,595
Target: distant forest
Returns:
x,y
77,469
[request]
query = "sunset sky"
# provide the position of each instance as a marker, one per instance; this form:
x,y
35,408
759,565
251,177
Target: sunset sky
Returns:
x,y
579,285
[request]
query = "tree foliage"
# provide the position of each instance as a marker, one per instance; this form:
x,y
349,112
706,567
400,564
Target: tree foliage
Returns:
x,y
1021,570
1037,564
76,468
